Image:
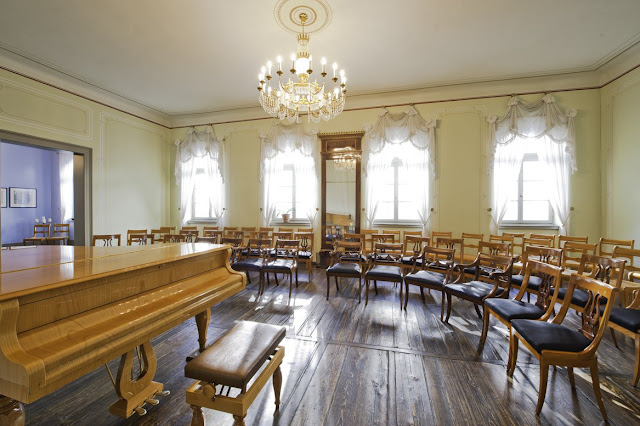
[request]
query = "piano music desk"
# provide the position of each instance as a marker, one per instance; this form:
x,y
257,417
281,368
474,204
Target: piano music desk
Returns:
x,y
65,311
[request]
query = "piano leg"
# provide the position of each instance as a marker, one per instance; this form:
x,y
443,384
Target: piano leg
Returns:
x,y
11,412
202,321
134,393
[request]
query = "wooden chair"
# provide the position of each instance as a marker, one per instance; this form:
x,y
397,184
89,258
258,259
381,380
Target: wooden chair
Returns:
x,y
435,235
558,344
190,235
413,234
228,229
281,235
212,233
367,247
61,234
136,236
234,233
206,229
493,248
174,238
471,246
503,239
606,246
630,255
573,251
305,229
383,238
563,239
107,239
190,228
518,241
551,238
253,258
456,244
627,321
435,271
40,234
548,255
412,249
266,229
548,281
347,261
394,232
605,269
385,264
285,261
305,253
496,284
210,240
281,229
540,242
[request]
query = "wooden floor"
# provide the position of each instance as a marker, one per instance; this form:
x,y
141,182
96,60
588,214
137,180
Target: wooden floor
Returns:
x,y
351,365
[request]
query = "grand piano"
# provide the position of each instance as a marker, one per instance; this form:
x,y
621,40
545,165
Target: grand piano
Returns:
x,y
65,311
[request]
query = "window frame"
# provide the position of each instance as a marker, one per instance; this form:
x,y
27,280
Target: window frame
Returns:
x,y
202,219
289,166
396,164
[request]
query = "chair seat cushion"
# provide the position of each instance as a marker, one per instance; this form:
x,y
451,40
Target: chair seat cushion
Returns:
x,y
510,309
484,270
534,282
234,358
345,268
580,297
627,318
355,258
280,265
304,254
475,290
408,260
431,278
542,335
253,264
384,272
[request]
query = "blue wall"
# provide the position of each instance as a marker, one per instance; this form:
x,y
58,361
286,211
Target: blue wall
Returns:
x,y
27,167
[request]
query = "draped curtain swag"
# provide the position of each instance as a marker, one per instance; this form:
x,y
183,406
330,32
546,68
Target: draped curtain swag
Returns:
x,y
553,133
406,136
203,145
288,144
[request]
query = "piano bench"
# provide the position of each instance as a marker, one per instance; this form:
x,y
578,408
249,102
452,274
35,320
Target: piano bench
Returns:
x,y
232,361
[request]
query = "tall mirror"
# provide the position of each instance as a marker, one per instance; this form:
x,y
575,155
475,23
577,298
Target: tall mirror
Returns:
x,y
340,185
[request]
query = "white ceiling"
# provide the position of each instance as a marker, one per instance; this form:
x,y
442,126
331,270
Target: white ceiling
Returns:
x,y
196,56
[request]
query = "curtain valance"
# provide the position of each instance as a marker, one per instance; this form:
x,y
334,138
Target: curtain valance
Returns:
x,y
199,144
534,120
283,138
397,129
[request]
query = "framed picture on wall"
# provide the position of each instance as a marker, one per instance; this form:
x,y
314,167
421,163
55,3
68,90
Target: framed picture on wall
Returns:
x,y
3,197
22,197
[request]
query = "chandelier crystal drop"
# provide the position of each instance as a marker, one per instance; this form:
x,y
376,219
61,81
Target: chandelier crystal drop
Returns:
x,y
289,99
345,158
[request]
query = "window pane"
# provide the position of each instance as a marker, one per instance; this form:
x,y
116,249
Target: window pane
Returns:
x,y
512,211
385,191
532,170
385,210
535,190
535,211
407,210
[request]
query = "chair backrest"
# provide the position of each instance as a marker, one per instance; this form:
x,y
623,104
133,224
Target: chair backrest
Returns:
x,y
260,234
281,229
548,255
367,246
107,239
431,255
386,253
495,263
287,248
347,251
168,229
306,241
248,229
258,246
234,233
605,269
281,235
227,229
41,230
606,246
190,235
451,243
61,230
413,245
211,233
137,236
383,238
210,240
354,237
518,241
551,281
594,320
394,232
540,242
495,248
174,238
233,242
413,234
435,235
630,255
503,239
563,239
189,228
573,251
472,243
209,228
551,238
305,229
268,229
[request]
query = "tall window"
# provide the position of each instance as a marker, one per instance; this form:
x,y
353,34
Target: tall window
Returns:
x,y
397,188
289,194
204,190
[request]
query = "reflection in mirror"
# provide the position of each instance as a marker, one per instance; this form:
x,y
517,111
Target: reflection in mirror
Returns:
x,y
340,201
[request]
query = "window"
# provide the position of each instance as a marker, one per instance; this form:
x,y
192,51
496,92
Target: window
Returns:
x,y
397,201
204,191
529,201
288,194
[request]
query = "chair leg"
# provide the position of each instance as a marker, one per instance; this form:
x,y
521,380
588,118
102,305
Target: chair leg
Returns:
x,y
406,296
400,285
572,378
360,289
636,375
296,277
513,353
448,307
375,285
337,288
198,416
275,275
595,379
528,297
366,292
422,295
328,285
441,305
477,310
277,386
485,326
544,375
613,336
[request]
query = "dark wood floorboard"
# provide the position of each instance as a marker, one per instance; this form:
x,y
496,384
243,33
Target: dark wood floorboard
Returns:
x,y
350,365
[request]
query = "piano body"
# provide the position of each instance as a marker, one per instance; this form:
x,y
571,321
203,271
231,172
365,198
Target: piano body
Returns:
x,y
65,311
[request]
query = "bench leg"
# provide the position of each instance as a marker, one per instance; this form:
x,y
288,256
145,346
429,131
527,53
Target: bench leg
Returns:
x,y
277,386
198,417
238,421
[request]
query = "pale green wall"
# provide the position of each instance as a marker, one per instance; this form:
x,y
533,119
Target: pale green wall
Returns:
x,y
621,157
130,182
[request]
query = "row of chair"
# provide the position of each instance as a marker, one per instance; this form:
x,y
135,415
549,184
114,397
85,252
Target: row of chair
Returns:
x,y
43,234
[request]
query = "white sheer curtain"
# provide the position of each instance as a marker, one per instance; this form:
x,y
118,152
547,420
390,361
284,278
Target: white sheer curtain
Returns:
x,y
65,161
200,145
405,136
540,121
289,145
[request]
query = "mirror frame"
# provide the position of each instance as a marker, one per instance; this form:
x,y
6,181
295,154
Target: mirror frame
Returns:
x,y
329,142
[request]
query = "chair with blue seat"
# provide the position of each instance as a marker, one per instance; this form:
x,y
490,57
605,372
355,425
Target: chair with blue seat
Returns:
x,y
252,258
347,261
548,278
433,272
627,321
305,254
471,246
385,264
555,343
551,256
495,283
494,248
283,260
412,251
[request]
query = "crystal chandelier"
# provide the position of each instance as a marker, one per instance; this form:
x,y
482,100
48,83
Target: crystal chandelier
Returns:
x,y
288,99
345,158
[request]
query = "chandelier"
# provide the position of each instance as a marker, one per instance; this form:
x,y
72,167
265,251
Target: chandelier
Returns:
x,y
345,158
288,99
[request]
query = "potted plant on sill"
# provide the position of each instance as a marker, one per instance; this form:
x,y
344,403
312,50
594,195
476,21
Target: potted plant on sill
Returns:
x,y
286,216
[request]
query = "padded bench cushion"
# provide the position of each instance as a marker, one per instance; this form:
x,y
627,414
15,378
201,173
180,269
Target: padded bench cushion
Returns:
x,y
234,358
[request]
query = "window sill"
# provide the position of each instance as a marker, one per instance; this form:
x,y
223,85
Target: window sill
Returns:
x,y
528,226
397,224
203,220
291,222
